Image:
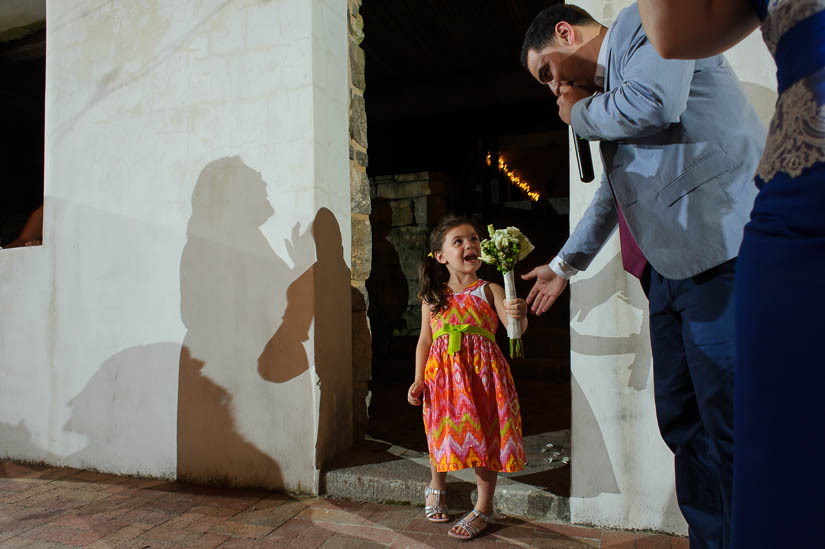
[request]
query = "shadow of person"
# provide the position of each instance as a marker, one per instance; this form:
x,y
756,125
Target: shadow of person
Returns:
x,y
232,299
597,290
319,295
386,285
127,421
599,476
19,444
333,339
284,356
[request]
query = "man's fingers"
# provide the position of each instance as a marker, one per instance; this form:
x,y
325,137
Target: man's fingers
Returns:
x,y
531,275
536,308
546,302
532,294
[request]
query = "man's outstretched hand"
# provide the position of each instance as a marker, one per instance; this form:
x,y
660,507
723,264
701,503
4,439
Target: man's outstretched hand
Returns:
x,y
547,288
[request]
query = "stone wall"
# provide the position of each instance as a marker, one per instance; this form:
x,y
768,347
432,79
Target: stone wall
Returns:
x,y
405,207
361,233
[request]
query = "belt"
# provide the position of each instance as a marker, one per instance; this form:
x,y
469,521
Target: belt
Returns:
x,y
456,331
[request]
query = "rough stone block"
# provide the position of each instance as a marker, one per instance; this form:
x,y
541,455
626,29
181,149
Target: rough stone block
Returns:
x,y
362,159
412,321
357,61
362,352
402,213
360,410
410,189
361,346
410,243
360,296
359,186
414,287
361,247
430,209
417,176
358,120
356,26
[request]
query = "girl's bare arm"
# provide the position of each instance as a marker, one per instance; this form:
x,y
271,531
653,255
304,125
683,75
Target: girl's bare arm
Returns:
x,y
516,308
425,341
422,351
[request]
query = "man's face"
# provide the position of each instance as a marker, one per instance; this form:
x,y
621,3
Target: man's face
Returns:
x,y
558,64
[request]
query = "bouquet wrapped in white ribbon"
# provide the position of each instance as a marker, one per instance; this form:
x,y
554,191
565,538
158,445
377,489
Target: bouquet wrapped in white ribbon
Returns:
x,y
502,250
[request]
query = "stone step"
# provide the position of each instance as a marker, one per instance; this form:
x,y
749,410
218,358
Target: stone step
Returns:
x,y
379,472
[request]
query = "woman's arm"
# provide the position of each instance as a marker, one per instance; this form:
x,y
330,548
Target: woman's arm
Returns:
x,y
693,29
32,233
515,308
422,351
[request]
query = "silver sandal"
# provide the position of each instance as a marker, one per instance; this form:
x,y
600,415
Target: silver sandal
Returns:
x,y
432,511
473,531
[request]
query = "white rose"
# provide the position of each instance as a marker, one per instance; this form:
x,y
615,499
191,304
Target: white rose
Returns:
x,y
498,240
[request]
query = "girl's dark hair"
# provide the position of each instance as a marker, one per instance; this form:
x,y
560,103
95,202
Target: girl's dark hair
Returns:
x,y
432,274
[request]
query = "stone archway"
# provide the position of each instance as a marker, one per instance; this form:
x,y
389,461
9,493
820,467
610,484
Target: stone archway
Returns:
x,y
361,231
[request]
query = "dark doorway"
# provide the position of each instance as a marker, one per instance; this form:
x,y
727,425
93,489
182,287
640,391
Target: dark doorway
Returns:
x,y
22,100
446,97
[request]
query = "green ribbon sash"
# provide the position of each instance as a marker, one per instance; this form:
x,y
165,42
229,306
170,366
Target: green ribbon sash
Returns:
x,y
455,331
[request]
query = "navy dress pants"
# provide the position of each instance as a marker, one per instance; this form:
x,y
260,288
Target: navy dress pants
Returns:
x,y
692,337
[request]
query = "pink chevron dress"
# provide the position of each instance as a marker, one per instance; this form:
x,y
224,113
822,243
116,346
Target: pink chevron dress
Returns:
x,y
471,410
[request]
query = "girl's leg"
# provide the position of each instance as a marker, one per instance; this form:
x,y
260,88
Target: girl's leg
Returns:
x,y
438,481
486,484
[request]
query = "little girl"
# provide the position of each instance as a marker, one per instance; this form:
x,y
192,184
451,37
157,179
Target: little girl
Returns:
x,y
471,410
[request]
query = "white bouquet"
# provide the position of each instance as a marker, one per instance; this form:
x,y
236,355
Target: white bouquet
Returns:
x,y
502,250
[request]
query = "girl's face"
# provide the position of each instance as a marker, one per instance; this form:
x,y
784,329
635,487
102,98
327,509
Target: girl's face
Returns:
x,y
461,249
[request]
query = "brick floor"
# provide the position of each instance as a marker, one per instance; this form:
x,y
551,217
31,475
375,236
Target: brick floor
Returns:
x,y
51,507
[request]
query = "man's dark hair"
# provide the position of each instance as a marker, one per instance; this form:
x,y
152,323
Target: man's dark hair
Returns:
x,y
542,31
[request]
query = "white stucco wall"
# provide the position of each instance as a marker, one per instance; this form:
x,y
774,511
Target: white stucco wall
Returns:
x,y
141,98
622,472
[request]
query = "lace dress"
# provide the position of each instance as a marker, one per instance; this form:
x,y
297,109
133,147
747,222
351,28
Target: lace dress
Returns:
x,y
470,406
779,411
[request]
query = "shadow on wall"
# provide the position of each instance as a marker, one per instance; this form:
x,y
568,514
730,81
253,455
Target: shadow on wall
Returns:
x,y
118,413
18,444
590,294
248,316
597,290
599,477
284,356
386,285
243,389
333,339
124,423
233,293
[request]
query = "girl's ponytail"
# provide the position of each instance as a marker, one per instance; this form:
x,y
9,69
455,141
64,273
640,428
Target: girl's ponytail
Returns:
x,y
433,276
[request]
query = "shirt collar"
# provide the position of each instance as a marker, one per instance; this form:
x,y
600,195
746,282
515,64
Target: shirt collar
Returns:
x,y
601,63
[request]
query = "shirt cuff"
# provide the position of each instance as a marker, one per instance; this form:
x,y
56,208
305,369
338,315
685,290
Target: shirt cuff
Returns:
x,y
562,269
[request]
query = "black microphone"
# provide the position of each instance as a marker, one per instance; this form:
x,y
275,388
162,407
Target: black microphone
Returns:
x,y
583,158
